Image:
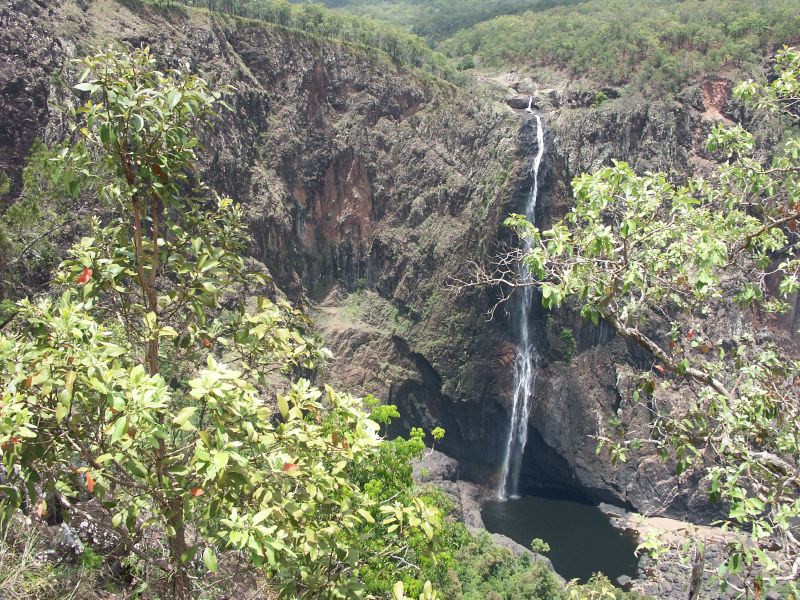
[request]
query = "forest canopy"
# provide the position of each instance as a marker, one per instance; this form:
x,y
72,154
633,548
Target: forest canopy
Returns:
x,y
437,20
656,44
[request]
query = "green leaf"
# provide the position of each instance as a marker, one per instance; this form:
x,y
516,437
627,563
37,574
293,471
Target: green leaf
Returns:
x,y
105,133
173,98
120,428
87,86
261,516
61,411
138,123
184,415
283,406
188,555
426,527
210,560
220,460
40,377
366,516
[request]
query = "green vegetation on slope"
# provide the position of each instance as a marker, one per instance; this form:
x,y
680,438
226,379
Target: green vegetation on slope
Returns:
x,y
398,43
437,20
656,44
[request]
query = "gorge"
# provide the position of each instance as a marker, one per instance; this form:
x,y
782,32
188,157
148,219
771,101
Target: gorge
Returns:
x,y
357,175
370,187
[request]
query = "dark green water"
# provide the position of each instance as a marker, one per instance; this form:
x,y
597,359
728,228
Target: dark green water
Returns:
x,y
582,541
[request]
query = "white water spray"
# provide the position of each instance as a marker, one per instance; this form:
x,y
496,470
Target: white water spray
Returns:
x,y
527,361
530,105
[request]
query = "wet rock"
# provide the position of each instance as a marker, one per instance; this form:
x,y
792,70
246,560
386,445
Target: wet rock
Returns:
x,y
625,582
523,102
611,510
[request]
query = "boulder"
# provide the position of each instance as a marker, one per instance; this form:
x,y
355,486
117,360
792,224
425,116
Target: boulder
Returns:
x,y
434,466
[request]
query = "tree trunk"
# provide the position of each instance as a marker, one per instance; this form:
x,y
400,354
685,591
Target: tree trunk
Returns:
x,y
181,583
698,564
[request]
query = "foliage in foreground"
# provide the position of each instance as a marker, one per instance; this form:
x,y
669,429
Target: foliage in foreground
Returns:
x,y
143,383
647,255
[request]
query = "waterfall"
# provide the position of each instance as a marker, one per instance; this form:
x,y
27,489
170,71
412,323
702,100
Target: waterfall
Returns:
x,y
527,361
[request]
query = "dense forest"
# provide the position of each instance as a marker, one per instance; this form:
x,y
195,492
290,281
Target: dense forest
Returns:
x,y
437,20
656,44
399,43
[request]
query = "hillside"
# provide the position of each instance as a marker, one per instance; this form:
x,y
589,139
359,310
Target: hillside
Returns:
x,y
654,45
438,20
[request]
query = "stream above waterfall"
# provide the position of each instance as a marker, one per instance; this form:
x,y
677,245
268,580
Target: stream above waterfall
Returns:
x,y
581,538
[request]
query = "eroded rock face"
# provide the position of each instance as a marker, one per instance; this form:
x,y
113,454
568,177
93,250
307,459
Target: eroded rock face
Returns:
x,y
586,371
30,55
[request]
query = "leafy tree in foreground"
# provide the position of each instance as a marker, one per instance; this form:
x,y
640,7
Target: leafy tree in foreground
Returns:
x,y
145,384
657,261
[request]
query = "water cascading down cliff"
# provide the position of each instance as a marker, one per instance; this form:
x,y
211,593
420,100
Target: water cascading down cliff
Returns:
x,y
527,360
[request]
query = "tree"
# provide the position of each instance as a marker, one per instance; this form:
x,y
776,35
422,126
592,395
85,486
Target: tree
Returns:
x,y
145,384
656,260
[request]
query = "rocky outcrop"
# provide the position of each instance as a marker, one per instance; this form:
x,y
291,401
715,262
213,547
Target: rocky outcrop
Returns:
x,y
434,466
439,470
30,60
669,575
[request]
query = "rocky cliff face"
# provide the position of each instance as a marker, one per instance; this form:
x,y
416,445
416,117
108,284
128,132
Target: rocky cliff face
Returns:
x,y
359,177
29,55
369,189
588,371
